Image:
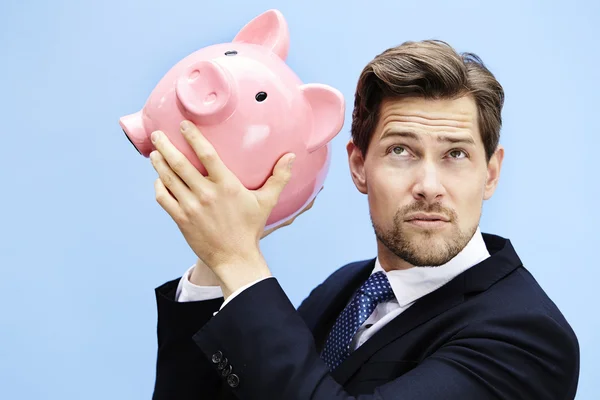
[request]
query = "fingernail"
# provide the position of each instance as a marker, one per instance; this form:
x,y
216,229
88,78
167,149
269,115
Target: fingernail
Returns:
x,y
154,136
185,125
291,162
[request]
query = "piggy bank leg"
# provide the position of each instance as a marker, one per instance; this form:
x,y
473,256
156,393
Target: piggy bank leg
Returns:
x,y
133,128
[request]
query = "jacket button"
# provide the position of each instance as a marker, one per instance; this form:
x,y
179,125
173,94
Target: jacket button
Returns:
x,y
226,371
216,358
222,364
233,380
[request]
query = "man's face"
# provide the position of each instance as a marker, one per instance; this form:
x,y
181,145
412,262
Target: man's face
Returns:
x,y
426,176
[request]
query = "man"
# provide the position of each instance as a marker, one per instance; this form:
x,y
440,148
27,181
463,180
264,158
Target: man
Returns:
x,y
442,312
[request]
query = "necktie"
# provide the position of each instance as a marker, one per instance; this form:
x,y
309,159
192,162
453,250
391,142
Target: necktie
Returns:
x,y
375,290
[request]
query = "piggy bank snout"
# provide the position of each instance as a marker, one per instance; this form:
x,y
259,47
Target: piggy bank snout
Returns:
x,y
206,92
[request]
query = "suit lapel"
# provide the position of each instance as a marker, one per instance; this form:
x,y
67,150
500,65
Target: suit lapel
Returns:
x,y
424,309
502,261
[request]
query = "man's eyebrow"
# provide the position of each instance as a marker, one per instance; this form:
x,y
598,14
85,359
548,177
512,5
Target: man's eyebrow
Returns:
x,y
403,134
440,138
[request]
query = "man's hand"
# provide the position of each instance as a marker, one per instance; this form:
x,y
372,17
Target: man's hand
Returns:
x,y
221,220
202,275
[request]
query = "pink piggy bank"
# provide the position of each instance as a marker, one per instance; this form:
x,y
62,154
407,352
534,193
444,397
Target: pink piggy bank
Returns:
x,y
252,108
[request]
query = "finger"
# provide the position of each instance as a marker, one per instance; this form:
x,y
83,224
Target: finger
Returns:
x,y
291,220
308,207
206,153
178,163
282,173
169,178
305,209
167,201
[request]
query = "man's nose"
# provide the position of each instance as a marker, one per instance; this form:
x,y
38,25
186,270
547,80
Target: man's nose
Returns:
x,y
428,184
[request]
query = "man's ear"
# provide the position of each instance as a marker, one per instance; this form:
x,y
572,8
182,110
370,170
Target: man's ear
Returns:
x,y
356,161
493,172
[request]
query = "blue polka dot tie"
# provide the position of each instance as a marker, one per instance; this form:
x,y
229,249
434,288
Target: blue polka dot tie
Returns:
x,y
375,290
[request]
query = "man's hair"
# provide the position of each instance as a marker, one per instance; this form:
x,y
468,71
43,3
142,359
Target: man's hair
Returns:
x,y
431,69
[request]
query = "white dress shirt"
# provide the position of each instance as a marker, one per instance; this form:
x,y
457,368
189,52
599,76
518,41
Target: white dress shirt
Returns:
x,y
408,286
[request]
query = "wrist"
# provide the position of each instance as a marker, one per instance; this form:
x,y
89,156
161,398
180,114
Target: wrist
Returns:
x,y
202,275
234,275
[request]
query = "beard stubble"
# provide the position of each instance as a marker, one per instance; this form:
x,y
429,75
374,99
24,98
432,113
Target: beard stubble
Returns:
x,y
421,249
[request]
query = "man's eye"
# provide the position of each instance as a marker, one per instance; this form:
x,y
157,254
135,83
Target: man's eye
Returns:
x,y
457,154
398,150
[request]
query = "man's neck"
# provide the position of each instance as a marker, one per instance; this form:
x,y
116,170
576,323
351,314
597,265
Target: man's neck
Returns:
x,y
389,261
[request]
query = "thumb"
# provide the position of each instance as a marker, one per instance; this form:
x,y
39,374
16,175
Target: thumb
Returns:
x,y
282,173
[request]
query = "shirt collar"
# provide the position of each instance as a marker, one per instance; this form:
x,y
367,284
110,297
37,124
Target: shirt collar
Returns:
x,y
413,283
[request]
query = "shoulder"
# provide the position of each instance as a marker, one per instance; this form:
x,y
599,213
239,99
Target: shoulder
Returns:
x,y
519,296
515,322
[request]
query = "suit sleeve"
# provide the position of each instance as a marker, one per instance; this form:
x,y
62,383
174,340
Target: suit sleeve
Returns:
x,y
272,356
182,370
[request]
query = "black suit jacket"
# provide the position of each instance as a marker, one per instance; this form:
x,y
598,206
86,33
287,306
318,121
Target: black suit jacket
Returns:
x,y
490,333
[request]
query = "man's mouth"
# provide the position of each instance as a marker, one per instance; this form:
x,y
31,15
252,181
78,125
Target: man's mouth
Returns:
x,y
425,220
427,217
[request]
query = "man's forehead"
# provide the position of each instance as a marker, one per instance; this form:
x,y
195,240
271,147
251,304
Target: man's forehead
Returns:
x,y
459,110
448,117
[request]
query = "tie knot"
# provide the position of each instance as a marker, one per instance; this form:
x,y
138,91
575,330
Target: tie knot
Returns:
x,y
377,287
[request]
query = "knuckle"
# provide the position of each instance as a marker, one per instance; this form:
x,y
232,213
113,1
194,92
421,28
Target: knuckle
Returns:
x,y
207,154
160,198
167,180
230,188
178,164
180,218
271,203
190,208
208,197
288,176
159,191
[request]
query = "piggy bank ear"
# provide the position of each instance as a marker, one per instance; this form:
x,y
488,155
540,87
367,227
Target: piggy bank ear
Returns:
x,y
327,108
270,30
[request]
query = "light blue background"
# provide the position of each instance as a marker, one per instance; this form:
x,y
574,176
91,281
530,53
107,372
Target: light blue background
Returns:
x,y
83,242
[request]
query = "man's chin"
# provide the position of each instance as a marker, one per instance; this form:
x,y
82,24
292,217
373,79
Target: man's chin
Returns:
x,y
427,249
422,247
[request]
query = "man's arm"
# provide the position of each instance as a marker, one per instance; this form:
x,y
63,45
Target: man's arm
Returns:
x,y
271,353
182,371
184,306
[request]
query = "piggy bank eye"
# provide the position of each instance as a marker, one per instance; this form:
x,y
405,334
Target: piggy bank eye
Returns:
x,y
231,53
260,96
